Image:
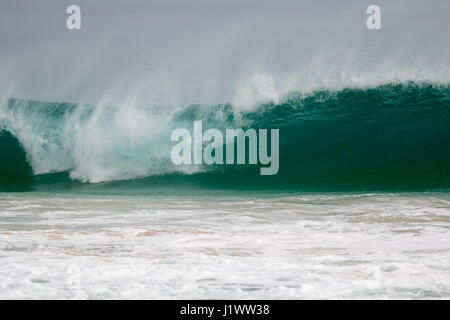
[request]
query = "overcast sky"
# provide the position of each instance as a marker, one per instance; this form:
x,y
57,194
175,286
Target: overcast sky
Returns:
x,y
189,51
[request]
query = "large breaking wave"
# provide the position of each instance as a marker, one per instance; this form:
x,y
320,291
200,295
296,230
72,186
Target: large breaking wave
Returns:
x,y
392,136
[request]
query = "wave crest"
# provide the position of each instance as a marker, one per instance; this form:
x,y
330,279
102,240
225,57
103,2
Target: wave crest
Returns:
x,y
393,135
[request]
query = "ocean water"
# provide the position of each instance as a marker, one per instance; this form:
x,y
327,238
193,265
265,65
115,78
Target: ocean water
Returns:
x,y
92,207
293,246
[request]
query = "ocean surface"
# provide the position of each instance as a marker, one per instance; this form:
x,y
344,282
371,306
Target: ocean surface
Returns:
x,y
92,207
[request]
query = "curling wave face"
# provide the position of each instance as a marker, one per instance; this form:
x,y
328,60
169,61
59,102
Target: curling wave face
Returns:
x,y
392,136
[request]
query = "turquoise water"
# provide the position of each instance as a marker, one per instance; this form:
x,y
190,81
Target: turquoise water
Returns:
x,y
92,207
394,137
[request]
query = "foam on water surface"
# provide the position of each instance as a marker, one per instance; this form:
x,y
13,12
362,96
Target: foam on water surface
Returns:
x,y
298,246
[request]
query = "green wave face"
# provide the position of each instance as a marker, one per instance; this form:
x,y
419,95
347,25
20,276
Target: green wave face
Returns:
x,y
390,137
14,168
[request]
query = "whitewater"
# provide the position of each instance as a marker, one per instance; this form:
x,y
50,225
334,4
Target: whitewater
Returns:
x,y
92,207
298,246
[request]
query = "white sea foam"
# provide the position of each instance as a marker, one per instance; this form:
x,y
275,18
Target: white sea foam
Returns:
x,y
332,72
336,246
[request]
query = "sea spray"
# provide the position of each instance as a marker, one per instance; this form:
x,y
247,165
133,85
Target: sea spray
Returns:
x,y
394,136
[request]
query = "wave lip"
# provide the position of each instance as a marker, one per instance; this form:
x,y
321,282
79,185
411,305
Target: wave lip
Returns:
x,y
393,136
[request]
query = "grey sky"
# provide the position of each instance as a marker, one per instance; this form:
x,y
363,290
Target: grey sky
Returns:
x,y
188,51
